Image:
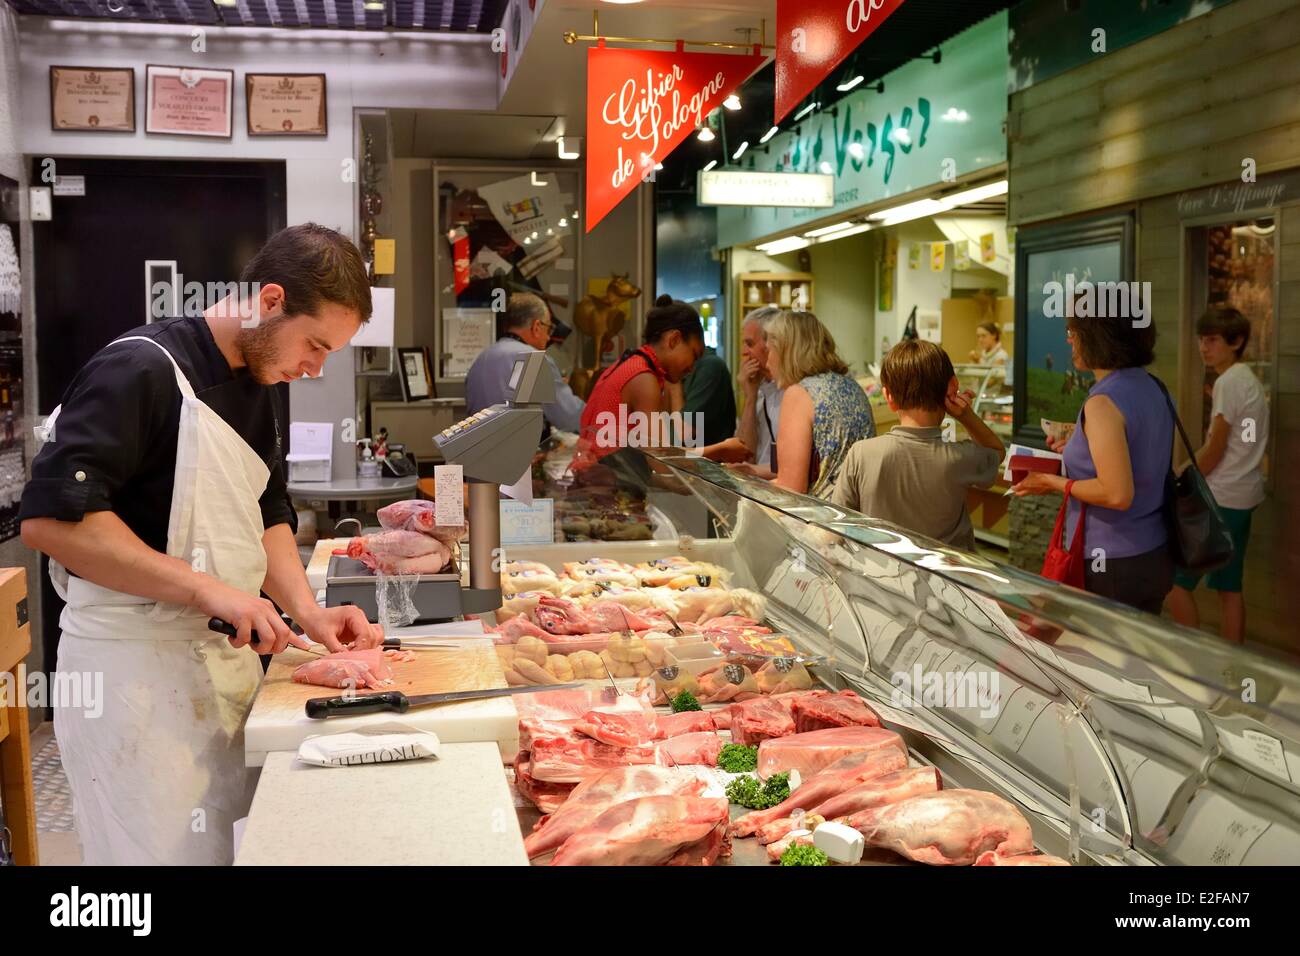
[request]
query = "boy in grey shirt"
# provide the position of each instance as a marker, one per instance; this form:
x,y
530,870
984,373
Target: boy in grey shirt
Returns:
x,y
910,476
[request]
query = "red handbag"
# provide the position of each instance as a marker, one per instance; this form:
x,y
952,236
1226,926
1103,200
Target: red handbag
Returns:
x,y
1060,564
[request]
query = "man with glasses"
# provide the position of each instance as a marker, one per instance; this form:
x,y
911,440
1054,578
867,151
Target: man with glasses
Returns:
x,y
526,327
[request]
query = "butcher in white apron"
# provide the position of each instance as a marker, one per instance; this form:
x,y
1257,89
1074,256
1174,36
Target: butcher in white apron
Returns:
x,y
156,767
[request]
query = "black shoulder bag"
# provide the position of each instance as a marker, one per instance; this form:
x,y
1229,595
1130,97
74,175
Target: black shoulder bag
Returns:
x,y
1199,539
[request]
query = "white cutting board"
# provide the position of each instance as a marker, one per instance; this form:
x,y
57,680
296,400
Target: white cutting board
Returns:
x,y
455,810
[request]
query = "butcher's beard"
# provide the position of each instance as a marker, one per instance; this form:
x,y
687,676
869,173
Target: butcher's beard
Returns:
x,y
260,354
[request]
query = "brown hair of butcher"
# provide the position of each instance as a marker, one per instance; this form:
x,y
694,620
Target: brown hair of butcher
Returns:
x,y
314,265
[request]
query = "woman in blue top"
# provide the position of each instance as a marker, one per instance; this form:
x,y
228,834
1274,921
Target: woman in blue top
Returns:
x,y
823,410
1118,458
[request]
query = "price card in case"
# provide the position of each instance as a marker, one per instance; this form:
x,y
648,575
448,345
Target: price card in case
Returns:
x,y
528,523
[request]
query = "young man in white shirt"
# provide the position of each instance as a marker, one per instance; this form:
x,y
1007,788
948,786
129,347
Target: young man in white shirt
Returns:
x,y
1230,459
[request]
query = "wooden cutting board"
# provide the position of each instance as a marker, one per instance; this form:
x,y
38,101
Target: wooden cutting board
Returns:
x,y
473,667
278,720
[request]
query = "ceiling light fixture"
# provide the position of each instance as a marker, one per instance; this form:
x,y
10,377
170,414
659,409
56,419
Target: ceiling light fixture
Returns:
x,y
732,102
740,150
706,135
827,230
845,233
374,5
712,163
978,194
569,147
788,244
848,85
770,133
563,223
805,111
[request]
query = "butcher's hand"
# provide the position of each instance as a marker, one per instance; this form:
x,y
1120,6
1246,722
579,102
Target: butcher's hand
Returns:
x,y
248,613
341,628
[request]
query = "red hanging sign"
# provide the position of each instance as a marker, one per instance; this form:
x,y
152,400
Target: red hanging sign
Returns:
x,y
814,36
640,105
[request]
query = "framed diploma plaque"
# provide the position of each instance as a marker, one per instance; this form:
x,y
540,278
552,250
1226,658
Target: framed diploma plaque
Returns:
x,y
285,104
86,98
188,101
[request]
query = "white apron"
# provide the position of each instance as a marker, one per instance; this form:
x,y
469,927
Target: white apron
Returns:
x,y
158,777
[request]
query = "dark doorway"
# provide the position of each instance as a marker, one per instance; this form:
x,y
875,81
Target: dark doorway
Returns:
x,y
208,217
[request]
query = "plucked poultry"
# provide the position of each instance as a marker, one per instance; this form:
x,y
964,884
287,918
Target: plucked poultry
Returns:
x,y
600,791
648,831
417,515
354,669
947,827
562,616
400,552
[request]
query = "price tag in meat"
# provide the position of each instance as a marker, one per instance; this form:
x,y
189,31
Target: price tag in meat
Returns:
x,y
449,492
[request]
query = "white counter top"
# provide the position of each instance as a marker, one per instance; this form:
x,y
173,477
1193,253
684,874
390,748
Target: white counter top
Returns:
x,y
456,810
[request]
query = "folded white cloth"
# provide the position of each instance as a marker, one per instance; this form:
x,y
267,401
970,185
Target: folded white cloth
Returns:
x,y
352,749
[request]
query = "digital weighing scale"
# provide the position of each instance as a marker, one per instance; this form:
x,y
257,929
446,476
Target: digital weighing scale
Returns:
x,y
494,447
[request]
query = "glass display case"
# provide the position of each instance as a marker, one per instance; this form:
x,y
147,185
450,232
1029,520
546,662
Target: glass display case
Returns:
x,y
1123,738
993,393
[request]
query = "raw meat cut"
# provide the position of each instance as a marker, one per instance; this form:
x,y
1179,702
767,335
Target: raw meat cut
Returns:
x,y
890,788
992,858
521,602
515,628
696,748
417,515
633,729
567,759
573,703
561,616
840,776
600,791
547,797
706,852
816,750
946,828
400,552
757,720
614,616
777,847
818,713
352,669
533,729
649,831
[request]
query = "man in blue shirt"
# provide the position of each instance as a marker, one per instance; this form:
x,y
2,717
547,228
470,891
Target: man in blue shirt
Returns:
x,y
526,328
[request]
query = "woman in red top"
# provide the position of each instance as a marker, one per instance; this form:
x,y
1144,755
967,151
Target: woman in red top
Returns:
x,y
631,391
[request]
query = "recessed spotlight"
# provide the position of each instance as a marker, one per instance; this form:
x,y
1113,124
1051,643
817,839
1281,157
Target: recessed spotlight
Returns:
x,y
563,223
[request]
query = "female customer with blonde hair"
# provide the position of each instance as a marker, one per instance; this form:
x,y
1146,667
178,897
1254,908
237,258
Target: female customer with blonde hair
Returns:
x,y
823,410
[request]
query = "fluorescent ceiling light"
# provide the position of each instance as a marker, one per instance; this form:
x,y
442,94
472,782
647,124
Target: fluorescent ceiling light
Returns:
x,y
788,244
732,102
712,163
857,151
978,194
570,150
769,134
806,110
706,135
825,230
845,87
909,211
740,150
843,233
374,5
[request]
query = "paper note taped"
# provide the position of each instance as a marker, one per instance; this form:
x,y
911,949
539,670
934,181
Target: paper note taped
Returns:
x,y
449,495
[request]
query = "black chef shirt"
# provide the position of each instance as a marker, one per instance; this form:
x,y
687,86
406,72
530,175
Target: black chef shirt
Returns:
x,y
114,446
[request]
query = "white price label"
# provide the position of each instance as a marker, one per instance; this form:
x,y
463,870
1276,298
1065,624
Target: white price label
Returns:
x,y
449,495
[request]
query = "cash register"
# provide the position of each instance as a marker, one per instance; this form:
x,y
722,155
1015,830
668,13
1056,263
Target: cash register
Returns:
x,y
494,447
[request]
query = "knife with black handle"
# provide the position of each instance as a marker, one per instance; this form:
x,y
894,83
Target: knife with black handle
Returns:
x,y
319,708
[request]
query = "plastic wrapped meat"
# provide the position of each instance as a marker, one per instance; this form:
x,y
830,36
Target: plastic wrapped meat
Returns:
x,y
349,669
727,682
839,710
813,752
890,788
649,831
400,552
600,791
654,574
417,515
839,777
946,828
782,675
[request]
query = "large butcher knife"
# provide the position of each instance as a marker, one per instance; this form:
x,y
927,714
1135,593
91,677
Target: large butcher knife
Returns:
x,y
318,708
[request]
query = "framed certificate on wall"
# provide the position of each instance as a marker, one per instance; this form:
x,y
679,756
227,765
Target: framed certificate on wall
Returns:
x,y
92,99
285,104
187,101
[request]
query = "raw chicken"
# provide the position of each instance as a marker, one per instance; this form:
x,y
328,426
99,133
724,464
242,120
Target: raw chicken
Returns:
x,y
649,831
417,515
527,579
606,572
352,669
521,602
600,791
757,720
840,710
946,828
890,788
781,675
654,574
562,616
547,797
992,858
727,682
400,552
515,628
631,730
813,752
696,603
839,777
613,616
